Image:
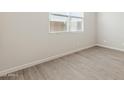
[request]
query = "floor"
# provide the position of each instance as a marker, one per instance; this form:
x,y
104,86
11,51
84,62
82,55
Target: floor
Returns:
x,y
95,63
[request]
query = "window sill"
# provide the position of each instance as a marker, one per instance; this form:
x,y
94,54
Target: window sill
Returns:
x,y
66,32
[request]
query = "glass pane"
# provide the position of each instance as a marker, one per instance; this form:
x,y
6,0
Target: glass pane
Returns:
x,y
61,13
76,14
75,24
58,23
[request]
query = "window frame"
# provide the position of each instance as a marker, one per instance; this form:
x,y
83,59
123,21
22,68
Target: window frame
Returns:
x,y
68,23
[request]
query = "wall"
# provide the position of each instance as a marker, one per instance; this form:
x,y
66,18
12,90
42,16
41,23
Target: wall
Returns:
x,y
110,30
24,38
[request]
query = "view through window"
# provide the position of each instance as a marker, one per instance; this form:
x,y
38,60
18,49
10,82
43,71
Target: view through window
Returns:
x,y
66,21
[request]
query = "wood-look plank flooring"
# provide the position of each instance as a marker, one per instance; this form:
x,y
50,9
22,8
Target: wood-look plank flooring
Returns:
x,y
95,63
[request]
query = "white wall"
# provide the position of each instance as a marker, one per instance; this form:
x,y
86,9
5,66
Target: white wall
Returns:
x,y
110,30
24,38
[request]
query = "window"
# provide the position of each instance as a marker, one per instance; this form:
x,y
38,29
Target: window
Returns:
x,y
66,21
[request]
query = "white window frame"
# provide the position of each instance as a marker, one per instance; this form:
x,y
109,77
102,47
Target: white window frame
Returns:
x,y
68,24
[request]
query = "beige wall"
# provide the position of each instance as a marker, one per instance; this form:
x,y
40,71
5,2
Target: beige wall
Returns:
x,y
111,29
24,38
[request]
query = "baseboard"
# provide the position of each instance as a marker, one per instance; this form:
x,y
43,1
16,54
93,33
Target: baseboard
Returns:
x,y
118,49
5,72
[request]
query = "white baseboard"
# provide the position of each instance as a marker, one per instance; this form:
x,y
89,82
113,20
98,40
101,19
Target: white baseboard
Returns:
x,y
122,50
5,72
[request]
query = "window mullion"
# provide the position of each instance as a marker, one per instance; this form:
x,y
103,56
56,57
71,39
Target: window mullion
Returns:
x,y
69,23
